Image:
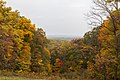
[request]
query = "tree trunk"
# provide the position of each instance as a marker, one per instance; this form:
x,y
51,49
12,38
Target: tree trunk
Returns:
x,y
105,75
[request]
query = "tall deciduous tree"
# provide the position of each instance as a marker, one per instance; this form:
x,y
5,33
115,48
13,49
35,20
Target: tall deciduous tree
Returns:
x,y
23,35
8,19
110,32
40,56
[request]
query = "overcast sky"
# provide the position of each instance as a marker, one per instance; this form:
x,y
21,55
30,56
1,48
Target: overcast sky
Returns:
x,y
56,17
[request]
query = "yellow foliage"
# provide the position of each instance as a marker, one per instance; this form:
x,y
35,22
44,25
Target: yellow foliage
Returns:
x,y
40,61
81,61
49,67
47,51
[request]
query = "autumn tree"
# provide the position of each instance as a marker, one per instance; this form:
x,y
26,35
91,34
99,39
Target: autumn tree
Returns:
x,y
40,55
108,33
23,35
8,19
20,43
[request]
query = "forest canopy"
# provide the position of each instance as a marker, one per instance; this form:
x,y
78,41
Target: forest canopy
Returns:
x,y
95,56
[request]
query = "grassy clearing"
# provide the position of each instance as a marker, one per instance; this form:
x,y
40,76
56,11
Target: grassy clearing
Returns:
x,y
15,78
23,78
7,75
